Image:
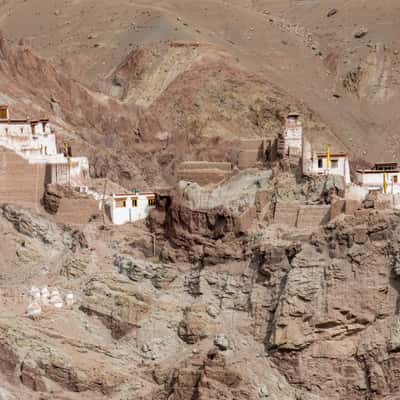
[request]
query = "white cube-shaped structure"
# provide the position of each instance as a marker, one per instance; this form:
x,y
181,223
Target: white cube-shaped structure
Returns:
x,y
338,165
293,133
133,207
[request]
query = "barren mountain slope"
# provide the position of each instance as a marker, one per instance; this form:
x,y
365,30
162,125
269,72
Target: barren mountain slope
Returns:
x,y
295,45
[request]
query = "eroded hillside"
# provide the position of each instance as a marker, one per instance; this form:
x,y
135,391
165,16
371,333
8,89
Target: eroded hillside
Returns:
x,y
340,58
214,297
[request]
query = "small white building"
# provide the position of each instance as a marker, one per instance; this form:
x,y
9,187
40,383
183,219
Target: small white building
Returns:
x,y
133,207
291,140
318,164
374,178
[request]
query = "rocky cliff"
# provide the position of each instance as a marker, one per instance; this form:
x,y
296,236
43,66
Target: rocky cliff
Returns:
x,y
281,315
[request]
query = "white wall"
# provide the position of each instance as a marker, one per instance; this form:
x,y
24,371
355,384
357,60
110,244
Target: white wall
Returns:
x,y
24,128
293,137
343,167
356,192
15,128
122,215
74,172
375,180
19,137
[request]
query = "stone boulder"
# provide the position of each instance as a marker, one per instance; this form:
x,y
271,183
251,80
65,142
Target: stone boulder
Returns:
x,y
196,325
119,307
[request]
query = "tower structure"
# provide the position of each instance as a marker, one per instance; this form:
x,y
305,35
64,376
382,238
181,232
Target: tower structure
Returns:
x,y
292,138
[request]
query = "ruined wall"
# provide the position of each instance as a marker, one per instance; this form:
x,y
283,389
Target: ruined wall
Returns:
x,y
286,214
195,165
310,217
76,212
251,152
301,216
204,172
21,183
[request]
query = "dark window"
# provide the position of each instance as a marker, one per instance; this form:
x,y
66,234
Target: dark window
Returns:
x,y
120,203
320,163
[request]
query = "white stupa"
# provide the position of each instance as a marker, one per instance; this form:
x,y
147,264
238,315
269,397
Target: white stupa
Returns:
x,y
34,293
70,299
55,299
44,296
34,310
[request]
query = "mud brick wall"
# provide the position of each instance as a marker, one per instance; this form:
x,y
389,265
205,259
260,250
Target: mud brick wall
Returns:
x,y
312,216
76,212
286,214
203,176
248,158
21,183
189,165
250,152
252,144
204,172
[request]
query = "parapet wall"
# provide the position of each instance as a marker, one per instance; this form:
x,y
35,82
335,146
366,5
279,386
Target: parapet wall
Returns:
x,y
203,172
301,216
21,183
189,165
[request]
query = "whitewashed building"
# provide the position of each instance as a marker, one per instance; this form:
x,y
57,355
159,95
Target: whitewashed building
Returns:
x,y
338,165
316,163
376,177
34,141
291,140
133,207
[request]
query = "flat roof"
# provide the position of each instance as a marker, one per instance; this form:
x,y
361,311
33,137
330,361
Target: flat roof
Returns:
x,y
23,120
377,171
133,194
387,163
332,154
15,121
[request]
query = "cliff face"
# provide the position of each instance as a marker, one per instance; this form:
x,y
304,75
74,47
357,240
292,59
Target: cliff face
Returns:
x,y
335,328
210,300
310,316
325,306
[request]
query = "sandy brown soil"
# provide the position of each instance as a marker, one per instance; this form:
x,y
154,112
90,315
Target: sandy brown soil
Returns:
x,y
220,313
292,44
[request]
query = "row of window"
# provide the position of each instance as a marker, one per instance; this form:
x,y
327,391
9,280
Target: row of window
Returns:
x,y
334,163
121,203
22,130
